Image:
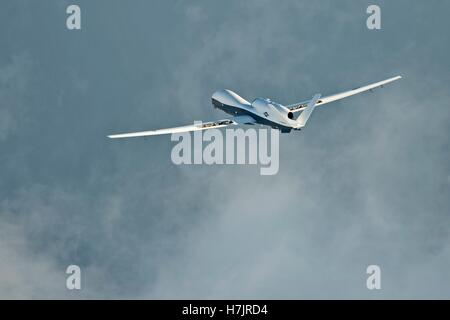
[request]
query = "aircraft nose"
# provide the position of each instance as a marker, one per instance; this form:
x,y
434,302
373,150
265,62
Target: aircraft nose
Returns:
x,y
216,103
220,94
228,97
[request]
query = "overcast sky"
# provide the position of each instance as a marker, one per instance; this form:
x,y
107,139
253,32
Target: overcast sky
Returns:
x,y
367,182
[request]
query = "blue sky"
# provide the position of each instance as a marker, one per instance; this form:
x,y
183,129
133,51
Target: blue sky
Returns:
x,y
366,183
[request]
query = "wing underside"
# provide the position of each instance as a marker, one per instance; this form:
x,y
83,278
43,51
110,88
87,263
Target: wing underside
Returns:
x,y
194,127
300,106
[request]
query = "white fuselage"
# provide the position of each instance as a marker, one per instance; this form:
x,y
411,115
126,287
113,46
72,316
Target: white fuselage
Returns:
x,y
264,111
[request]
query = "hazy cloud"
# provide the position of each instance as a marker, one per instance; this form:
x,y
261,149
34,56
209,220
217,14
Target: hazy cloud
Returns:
x,y
366,183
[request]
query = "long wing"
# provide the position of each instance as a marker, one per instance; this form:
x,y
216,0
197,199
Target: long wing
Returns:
x,y
296,107
194,127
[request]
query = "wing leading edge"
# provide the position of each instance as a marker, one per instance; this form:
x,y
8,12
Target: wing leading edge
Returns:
x,y
194,127
300,106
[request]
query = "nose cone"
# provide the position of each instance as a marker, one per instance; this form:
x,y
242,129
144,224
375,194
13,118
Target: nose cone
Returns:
x,y
229,98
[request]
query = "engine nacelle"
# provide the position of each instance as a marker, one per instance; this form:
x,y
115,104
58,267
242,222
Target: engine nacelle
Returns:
x,y
266,105
284,111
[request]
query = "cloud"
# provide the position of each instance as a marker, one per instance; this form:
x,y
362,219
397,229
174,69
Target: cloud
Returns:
x,y
14,77
366,183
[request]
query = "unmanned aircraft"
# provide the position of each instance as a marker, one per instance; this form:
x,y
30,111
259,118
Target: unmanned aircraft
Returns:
x,y
261,111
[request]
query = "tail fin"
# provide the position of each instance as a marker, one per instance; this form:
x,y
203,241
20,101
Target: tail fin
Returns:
x,y
304,116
